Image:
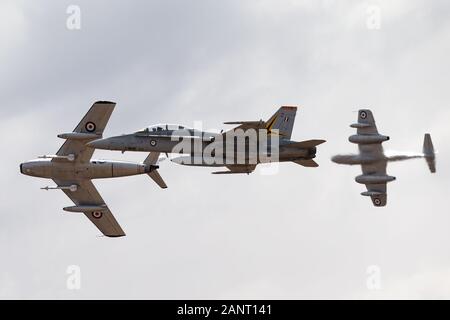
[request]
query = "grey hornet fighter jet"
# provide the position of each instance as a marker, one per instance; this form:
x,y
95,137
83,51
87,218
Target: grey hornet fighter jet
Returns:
x,y
72,169
210,149
373,160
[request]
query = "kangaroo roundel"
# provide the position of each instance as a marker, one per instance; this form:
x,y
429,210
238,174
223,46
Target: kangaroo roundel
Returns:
x,y
97,214
90,126
363,115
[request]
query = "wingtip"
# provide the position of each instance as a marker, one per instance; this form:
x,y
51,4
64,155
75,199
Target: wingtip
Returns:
x,y
115,235
104,102
289,107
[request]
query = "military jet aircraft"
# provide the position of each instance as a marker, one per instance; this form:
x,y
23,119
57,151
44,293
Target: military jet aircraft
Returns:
x,y
166,139
373,160
72,169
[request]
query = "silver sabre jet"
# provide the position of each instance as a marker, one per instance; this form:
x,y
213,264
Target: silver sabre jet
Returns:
x,y
165,138
373,160
72,169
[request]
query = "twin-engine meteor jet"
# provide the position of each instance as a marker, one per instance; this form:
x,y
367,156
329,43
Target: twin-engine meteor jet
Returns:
x,y
373,160
72,169
208,149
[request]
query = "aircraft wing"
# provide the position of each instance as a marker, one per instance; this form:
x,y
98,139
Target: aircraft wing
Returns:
x,y
377,192
367,126
87,195
366,122
94,122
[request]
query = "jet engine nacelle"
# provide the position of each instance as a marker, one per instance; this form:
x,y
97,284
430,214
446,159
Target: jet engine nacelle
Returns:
x,y
373,179
367,139
353,159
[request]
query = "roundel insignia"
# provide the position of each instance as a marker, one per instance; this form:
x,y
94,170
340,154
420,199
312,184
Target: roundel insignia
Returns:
x,y
153,142
97,214
90,127
363,115
377,201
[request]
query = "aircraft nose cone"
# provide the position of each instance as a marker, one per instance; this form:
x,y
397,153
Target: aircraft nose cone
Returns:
x,y
25,169
97,144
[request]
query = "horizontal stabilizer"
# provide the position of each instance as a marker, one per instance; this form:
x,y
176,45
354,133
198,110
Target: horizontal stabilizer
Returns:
x,y
429,153
307,163
304,144
152,160
158,179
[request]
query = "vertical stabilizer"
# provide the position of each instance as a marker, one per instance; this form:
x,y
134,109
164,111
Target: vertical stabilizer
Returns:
x,y
283,121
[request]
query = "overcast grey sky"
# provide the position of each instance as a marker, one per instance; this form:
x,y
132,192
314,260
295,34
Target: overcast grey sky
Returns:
x,y
302,233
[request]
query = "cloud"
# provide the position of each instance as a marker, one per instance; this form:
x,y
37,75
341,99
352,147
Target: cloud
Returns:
x,y
12,26
298,234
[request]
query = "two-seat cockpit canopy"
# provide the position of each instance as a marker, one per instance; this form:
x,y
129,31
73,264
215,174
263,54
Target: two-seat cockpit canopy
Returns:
x,y
157,128
174,130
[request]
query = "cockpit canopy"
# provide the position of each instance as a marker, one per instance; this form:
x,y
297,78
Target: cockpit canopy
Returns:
x,y
163,127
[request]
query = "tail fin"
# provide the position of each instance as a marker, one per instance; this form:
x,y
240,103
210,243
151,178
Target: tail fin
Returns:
x,y
158,179
152,161
283,121
428,152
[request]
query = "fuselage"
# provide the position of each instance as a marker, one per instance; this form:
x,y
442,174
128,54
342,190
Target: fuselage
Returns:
x,y
206,148
356,159
95,169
